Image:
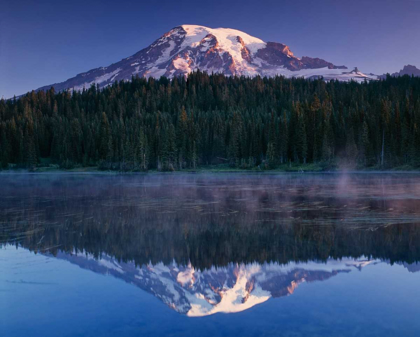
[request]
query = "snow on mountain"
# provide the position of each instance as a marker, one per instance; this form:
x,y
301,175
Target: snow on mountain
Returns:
x,y
231,52
354,75
230,289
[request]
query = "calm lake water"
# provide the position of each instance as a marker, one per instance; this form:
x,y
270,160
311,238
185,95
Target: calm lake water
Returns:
x,y
209,255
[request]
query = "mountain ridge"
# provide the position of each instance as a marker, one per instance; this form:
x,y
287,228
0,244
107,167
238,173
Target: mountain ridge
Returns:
x,y
407,70
231,52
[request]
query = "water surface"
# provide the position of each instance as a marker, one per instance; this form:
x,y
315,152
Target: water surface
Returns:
x,y
210,255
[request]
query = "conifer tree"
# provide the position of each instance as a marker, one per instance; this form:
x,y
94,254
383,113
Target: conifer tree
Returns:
x,y
104,137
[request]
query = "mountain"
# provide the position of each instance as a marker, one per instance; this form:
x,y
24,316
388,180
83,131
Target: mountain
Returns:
x,y
228,51
234,288
407,70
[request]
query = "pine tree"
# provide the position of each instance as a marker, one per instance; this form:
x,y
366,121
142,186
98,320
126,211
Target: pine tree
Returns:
x,y
351,148
272,143
104,137
366,148
284,138
4,147
182,138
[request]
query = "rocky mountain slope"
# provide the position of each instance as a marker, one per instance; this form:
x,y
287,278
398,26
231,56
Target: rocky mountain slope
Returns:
x,y
231,52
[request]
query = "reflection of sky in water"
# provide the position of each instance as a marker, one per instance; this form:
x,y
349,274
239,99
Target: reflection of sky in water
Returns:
x,y
133,255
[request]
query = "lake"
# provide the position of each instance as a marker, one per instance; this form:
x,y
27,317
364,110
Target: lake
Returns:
x,y
210,254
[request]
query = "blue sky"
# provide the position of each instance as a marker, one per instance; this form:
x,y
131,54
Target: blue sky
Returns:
x,y
45,41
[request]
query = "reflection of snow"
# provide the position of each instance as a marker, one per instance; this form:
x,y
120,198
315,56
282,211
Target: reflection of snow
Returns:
x,y
186,277
109,264
235,299
359,264
230,289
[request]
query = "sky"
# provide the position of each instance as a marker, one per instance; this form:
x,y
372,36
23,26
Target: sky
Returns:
x,y
48,41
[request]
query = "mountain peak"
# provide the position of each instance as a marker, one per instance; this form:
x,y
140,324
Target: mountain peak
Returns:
x,y
408,69
227,37
227,51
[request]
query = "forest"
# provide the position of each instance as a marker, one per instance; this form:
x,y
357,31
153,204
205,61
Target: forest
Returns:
x,y
203,120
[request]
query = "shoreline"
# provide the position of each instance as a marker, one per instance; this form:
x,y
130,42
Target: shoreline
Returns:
x,y
203,170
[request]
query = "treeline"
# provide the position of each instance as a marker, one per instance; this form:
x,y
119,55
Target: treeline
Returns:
x,y
211,119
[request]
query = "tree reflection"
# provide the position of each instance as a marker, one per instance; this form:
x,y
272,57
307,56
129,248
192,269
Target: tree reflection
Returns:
x,y
214,220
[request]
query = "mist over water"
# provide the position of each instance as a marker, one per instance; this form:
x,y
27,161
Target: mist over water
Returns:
x,y
206,244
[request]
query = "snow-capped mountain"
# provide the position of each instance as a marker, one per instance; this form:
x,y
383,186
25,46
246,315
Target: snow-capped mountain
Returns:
x,y
230,289
189,48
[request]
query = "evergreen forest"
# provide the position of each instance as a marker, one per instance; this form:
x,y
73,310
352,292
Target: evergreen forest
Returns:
x,y
204,120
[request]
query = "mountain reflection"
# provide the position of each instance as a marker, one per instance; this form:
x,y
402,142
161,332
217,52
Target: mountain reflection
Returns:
x,y
215,243
229,289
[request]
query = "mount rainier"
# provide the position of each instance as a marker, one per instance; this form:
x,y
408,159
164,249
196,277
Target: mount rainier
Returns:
x,y
230,52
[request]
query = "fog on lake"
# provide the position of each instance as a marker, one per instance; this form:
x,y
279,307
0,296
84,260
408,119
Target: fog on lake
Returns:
x,y
206,244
